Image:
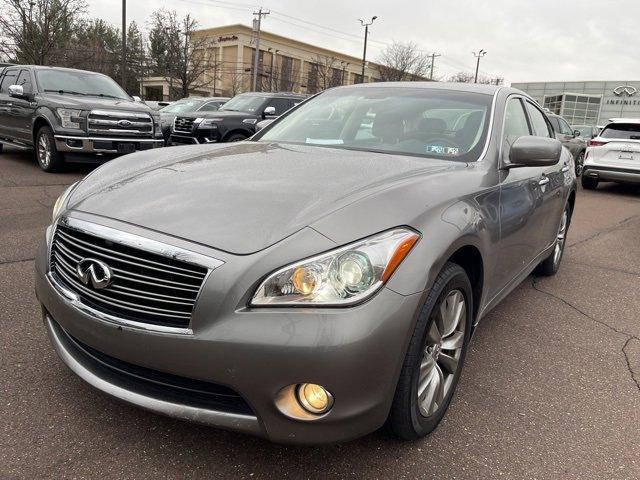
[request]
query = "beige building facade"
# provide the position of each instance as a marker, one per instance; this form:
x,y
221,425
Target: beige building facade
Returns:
x,y
284,64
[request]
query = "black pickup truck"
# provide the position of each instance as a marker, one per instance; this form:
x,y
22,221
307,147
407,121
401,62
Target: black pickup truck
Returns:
x,y
67,114
234,121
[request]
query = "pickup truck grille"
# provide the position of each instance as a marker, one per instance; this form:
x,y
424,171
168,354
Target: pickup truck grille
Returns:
x,y
183,124
146,287
121,124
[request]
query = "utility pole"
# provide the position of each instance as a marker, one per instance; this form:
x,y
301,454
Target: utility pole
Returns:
x,y
123,74
257,23
366,35
478,56
433,61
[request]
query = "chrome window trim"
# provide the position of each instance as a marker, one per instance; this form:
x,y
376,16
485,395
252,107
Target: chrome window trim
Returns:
x,y
135,241
487,143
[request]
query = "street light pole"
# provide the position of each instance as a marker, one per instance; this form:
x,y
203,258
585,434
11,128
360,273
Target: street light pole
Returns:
x,y
123,74
433,61
478,56
366,35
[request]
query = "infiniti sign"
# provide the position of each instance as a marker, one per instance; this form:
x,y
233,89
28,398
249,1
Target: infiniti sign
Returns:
x,y
625,90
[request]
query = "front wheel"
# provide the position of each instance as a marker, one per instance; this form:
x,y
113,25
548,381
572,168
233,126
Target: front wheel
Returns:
x,y
435,357
47,155
236,137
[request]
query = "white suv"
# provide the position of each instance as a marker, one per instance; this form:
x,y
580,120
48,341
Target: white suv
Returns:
x,y
614,155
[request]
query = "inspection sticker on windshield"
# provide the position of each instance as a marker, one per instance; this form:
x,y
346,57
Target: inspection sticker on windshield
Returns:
x,y
440,150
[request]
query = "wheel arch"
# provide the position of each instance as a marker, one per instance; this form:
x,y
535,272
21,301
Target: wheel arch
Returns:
x,y
39,122
470,259
235,131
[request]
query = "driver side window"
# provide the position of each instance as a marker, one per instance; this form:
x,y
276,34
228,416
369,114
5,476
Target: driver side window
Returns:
x,y
515,124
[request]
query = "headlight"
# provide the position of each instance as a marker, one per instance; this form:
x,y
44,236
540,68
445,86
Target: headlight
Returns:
x,y
340,277
69,118
208,122
61,202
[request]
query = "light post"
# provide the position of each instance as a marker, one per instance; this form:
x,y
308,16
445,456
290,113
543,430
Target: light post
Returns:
x,y
344,67
478,56
366,35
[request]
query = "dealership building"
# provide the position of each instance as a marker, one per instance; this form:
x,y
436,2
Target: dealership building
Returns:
x,y
587,103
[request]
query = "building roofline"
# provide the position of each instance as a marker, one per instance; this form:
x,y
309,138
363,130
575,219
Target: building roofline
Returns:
x,y
248,29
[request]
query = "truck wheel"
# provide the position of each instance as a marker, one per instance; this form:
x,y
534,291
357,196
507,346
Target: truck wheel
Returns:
x,y
49,159
236,137
589,183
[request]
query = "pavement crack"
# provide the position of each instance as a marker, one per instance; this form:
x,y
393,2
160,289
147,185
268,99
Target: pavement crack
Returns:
x,y
608,269
21,260
629,336
605,231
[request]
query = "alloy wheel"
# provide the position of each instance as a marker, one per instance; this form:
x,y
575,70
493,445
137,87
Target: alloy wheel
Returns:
x,y
442,353
579,164
562,235
44,150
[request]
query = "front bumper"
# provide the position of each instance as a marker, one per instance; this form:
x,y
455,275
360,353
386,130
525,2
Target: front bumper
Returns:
x,y
104,145
612,174
196,137
356,353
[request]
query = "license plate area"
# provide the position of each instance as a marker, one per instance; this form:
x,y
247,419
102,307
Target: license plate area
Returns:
x,y
126,147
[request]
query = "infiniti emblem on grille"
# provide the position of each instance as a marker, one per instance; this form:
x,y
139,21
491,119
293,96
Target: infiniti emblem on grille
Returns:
x,y
124,123
94,272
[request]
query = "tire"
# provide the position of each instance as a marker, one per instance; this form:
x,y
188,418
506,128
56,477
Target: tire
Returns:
x,y
48,157
579,164
237,137
1,145
589,183
428,365
549,266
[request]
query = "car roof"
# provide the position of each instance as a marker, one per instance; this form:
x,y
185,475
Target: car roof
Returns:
x,y
623,120
46,67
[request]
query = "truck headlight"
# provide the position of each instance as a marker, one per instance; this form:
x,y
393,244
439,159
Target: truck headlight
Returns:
x,y
344,276
61,202
69,118
209,122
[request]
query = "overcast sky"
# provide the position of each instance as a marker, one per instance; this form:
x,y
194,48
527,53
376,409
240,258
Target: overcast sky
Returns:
x,y
526,40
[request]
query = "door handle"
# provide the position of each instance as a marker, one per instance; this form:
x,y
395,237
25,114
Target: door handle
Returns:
x,y
565,168
543,181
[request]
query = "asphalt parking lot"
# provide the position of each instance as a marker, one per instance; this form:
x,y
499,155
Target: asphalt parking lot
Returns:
x,y
551,388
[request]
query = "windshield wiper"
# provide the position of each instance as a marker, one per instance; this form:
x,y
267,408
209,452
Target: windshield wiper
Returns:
x,y
71,92
105,95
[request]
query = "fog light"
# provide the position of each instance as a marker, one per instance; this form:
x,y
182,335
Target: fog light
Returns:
x,y
314,398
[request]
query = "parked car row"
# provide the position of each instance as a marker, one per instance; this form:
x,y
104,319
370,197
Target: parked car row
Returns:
x,y
74,115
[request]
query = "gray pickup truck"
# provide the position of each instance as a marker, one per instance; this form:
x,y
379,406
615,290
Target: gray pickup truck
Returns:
x,y
72,115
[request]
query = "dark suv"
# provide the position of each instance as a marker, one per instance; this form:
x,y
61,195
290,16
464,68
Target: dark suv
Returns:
x,y
72,114
234,121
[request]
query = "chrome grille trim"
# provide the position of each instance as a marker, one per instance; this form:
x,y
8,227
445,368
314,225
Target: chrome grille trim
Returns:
x,y
149,297
107,122
183,124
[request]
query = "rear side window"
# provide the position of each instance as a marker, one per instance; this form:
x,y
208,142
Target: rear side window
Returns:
x,y
623,131
9,79
538,122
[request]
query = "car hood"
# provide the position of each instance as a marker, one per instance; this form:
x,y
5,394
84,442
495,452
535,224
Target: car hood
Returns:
x,y
241,198
219,114
88,103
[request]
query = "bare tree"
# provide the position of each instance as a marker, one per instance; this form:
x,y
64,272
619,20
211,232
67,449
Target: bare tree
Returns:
x,y
38,31
237,82
403,61
465,77
324,73
178,53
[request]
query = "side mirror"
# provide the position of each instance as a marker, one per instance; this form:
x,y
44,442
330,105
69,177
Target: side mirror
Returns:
x,y
576,133
269,112
16,91
136,98
534,152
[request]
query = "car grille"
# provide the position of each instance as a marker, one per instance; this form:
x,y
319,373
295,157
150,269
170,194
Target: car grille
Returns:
x,y
122,124
146,287
156,384
183,124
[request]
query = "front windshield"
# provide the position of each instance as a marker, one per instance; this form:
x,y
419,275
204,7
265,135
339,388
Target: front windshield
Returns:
x,y
244,103
437,123
182,106
79,83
